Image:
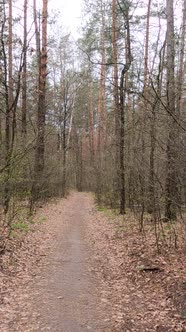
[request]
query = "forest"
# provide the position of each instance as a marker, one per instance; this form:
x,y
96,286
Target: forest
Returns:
x,y
103,114
93,139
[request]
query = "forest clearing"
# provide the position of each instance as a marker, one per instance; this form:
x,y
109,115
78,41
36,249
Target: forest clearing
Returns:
x,y
79,269
93,165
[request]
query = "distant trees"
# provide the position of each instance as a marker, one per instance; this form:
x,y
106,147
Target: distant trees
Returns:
x,y
36,111
142,99
10,91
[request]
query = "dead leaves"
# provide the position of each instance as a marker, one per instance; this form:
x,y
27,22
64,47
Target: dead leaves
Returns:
x,y
136,279
146,291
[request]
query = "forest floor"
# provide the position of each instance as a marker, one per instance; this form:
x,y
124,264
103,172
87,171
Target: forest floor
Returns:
x,y
78,269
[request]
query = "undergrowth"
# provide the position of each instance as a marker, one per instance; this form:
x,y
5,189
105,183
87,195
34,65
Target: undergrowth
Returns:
x,y
164,235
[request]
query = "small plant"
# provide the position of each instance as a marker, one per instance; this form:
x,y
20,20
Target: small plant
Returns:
x,y
13,234
106,211
42,219
183,316
101,208
20,225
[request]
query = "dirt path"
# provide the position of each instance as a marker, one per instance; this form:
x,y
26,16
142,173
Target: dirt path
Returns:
x,y
68,294
63,295
80,270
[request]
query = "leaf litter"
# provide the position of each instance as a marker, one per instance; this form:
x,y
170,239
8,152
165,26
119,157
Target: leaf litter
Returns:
x,y
141,300
147,290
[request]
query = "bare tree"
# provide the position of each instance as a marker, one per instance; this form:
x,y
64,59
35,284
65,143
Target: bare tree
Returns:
x,y
41,107
115,79
101,108
122,105
24,74
171,176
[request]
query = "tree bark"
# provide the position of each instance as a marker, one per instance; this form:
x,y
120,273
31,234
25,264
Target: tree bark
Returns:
x,y
40,143
91,123
171,191
115,79
101,112
180,75
37,33
122,113
9,105
24,73
41,107
146,56
10,81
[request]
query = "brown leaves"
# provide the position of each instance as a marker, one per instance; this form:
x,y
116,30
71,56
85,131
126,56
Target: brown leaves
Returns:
x,y
137,280
146,291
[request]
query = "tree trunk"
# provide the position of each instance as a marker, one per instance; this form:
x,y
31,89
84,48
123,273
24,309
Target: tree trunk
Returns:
x,y
9,105
171,191
41,111
37,34
180,107
10,81
146,56
122,113
153,134
101,112
116,107
24,73
40,144
115,80
102,79
145,110
180,75
64,143
91,123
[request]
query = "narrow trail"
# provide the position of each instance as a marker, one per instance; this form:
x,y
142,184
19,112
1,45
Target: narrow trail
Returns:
x,y
66,295
76,272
